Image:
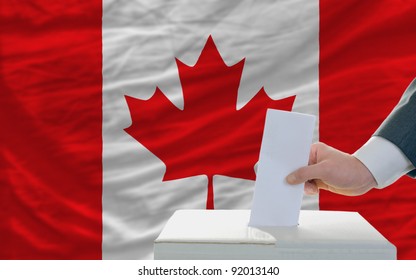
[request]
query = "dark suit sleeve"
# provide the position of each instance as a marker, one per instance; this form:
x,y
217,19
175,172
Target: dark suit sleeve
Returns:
x,y
400,126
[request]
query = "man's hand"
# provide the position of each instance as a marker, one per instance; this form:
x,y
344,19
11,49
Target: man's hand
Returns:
x,y
333,170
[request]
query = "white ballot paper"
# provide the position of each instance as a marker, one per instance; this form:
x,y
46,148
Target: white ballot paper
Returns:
x,y
287,138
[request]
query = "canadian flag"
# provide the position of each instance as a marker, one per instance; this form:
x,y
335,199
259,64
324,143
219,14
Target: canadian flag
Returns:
x,y
114,114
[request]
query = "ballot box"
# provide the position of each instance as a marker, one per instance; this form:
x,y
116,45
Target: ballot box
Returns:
x,y
225,234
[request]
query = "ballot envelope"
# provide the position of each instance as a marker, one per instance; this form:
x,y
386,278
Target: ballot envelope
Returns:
x,y
225,234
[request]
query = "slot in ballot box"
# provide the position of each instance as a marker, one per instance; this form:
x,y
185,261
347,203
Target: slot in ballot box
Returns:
x,y
225,234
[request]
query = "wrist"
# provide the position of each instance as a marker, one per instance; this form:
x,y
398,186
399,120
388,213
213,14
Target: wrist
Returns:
x,y
367,180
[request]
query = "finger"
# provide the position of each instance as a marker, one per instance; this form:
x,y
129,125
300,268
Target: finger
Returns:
x,y
311,188
306,173
313,154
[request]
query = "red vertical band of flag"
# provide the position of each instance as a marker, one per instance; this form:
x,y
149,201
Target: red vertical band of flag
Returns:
x,y
50,121
367,59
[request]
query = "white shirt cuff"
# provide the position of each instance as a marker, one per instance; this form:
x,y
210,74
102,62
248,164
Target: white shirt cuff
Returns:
x,y
386,161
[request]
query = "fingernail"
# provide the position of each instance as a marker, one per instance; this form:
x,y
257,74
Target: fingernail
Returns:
x,y
291,179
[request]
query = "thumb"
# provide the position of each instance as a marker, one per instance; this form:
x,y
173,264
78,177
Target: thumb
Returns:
x,y
304,174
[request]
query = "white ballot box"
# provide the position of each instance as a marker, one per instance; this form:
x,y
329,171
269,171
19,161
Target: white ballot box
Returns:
x,y
225,234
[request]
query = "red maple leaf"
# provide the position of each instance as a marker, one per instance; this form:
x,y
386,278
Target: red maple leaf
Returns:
x,y
209,136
